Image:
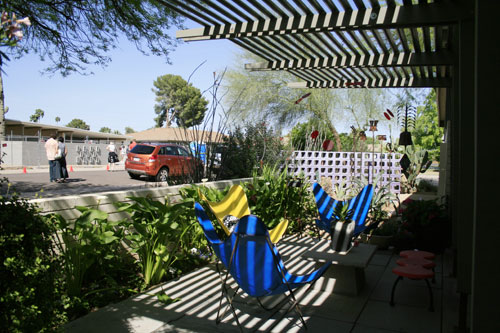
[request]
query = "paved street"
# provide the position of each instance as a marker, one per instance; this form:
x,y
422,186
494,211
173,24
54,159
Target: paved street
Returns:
x,y
35,182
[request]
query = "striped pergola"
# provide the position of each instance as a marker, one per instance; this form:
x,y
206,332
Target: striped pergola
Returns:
x,y
334,44
450,45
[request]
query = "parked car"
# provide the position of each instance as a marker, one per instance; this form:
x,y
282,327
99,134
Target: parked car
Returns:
x,y
161,161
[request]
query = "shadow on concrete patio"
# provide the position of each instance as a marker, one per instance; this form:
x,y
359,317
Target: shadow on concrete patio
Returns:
x,y
199,293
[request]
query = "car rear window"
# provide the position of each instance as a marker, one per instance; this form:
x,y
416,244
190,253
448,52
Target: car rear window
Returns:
x,y
142,149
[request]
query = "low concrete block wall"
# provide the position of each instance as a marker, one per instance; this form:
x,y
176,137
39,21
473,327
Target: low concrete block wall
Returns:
x,y
65,206
25,153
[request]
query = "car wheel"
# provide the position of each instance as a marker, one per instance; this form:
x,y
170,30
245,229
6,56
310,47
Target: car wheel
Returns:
x,y
162,175
134,176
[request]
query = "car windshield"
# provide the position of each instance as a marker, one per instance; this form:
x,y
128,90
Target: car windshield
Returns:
x,y
142,149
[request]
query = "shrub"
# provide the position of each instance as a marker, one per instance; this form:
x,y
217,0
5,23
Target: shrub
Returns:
x,y
276,195
31,294
96,269
425,225
248,148
162,235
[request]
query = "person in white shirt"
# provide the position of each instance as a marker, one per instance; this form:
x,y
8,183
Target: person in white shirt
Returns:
x,y
112,156
51,147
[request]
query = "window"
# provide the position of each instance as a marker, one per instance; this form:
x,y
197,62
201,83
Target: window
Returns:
x,y
183,152
142,149
169,150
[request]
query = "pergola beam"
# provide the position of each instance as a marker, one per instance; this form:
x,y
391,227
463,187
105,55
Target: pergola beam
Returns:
x,y
432,14
375,83
374,60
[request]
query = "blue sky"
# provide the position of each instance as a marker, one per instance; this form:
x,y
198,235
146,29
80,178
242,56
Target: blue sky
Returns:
x,y
120,94
116,96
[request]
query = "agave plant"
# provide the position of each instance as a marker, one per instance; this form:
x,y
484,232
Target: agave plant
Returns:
x,y
419,163
342,213
382,197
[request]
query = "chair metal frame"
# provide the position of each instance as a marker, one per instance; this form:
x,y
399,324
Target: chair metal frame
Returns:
x,y
278,264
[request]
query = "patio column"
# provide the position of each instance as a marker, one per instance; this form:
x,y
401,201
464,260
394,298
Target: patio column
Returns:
x,y
465,172
486,270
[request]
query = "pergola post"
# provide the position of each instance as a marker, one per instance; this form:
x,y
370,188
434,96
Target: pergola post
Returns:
x,y
465,164
486,269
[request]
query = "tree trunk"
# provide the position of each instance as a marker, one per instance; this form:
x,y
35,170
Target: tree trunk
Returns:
x,y
337,137
2,107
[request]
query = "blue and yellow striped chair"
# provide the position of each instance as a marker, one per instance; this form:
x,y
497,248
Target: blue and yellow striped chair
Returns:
x,y
254,263
360,204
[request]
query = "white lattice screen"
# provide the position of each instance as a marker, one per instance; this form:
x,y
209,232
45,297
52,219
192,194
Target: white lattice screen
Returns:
x,y
344,166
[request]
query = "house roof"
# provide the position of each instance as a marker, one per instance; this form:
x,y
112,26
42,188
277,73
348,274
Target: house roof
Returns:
x,y
169,134
26,128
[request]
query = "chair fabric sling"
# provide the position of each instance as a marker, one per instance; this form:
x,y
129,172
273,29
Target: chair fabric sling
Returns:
x,y
254,262
360,204
235,203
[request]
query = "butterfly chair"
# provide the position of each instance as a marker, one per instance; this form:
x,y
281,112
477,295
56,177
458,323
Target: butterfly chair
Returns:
x,y
235,203
254,263
360,205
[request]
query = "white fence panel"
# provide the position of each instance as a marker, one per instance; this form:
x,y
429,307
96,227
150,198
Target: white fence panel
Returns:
x,y
345,166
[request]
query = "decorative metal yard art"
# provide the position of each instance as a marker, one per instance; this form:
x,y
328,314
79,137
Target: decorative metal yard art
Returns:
x,y
373,129
406,118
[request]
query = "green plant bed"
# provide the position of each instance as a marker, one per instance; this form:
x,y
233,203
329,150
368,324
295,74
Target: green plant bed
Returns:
x,y
425,226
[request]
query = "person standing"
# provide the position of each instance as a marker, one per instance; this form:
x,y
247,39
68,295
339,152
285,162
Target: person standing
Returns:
x,y
51,148
62,160
123,152
112,156
132,145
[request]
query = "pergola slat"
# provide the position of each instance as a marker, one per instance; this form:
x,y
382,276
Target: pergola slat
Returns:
x,y
374,83
433,14
378,60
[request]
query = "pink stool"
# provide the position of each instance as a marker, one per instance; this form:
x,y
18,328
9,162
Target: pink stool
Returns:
x,y
413,272
417,254
419,261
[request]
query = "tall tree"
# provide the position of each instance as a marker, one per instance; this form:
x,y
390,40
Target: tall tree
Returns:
x,y
105,130
35,117
264,95
427,133
78,123
178,101
58,119
72,35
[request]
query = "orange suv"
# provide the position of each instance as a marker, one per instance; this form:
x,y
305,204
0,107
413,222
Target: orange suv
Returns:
x,y
160,161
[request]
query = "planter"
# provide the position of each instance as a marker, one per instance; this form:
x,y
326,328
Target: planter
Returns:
x,y
342,236
382,242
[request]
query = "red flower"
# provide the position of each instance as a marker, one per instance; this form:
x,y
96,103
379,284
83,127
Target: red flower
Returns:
x,y
314,134
328,145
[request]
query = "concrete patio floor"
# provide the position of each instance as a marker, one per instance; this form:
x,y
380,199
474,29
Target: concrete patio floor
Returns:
x,y
199,293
